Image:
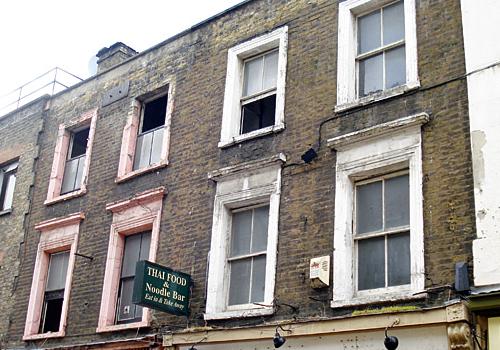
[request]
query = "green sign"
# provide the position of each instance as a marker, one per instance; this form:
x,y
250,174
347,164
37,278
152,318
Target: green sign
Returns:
x,y
161,288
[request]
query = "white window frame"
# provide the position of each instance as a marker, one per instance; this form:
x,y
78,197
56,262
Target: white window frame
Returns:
x,y
347,79
374,151
9,168
254,183
231,114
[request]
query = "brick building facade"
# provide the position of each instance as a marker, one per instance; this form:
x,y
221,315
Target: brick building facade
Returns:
x,y
190,153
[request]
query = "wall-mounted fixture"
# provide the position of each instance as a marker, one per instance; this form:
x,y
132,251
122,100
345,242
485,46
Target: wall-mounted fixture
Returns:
x,y
390,341
319,272
278,339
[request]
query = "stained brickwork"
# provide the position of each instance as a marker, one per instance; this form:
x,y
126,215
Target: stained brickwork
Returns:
x,y
18,140
196,63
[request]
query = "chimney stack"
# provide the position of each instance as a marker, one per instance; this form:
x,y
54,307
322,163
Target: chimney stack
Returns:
x,y
108,57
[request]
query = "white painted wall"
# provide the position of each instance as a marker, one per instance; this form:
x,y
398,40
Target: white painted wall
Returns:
x,y
482,48
428,338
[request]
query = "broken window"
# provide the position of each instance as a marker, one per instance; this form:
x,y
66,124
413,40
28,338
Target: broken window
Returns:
x,y
54,292
75,162
7,184
136,249
258,100
151,129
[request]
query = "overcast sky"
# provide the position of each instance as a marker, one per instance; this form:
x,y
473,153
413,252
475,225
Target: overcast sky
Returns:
x,y
37,35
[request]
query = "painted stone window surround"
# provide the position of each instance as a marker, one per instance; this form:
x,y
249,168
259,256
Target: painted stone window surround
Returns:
x,y
231,114
88,118
60,234
131,130
349,11
374,151
244,185
138,214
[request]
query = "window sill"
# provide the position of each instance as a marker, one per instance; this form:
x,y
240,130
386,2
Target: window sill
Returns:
x,y
256,133
47,335
378,298
376,97
6,212
239,313
138,172
120,327
66,196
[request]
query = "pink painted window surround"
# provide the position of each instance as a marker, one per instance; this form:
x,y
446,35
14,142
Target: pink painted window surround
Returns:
x,y
131,134
135,215
56,235
54,195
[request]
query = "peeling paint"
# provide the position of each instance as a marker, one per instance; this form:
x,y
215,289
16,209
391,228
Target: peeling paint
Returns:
x,y
478,140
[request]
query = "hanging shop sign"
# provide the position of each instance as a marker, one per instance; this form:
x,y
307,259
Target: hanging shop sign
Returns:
x,y
161,288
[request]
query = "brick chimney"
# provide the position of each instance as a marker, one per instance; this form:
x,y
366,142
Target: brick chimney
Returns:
x,y
108,57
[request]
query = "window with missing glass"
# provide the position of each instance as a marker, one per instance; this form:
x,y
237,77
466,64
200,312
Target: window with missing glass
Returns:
x,y
151,130
258,100
247,256
136,249
54,292
75,162
382,231
7,185
381,56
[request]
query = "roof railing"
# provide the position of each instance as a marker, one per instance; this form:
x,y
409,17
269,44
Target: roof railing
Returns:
x,y
50,82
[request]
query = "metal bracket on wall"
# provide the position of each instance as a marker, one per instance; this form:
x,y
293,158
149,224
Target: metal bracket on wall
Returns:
x,y
115,94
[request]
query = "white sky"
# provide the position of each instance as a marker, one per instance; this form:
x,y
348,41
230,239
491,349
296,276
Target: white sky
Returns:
x,y
37,35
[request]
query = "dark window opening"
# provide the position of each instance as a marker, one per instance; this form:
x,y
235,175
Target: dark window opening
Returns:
x,y
258,114
154,114
79,143
52,311
136,249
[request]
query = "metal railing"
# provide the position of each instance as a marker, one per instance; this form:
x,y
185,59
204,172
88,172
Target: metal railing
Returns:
x,y
50,82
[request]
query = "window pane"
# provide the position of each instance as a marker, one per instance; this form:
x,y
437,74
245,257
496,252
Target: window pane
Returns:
x,y
398,255
143,150
79,172
369,207
70,174
252,82
154,113
270,70
126,309
369,32
394,23
258,114
397,201
258,279
239,285
370,75
395,67
156,146
260,225
371,263
79,143
58,268
131,255
241,233
9,182
145,244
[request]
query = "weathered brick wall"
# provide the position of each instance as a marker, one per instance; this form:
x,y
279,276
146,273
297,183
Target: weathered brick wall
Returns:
x,y
18,140
197,63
